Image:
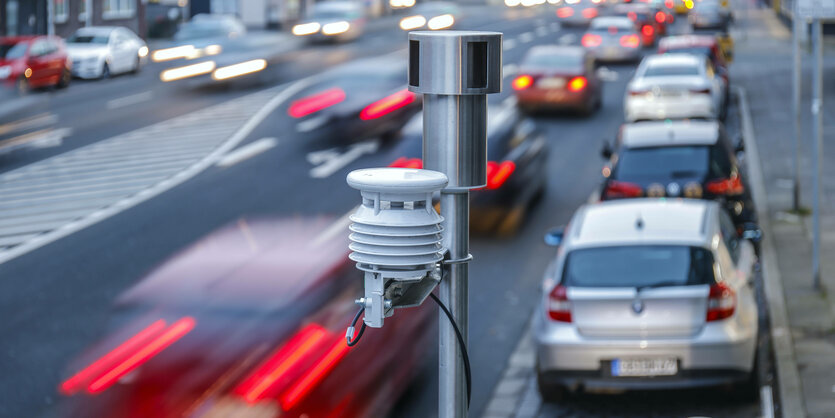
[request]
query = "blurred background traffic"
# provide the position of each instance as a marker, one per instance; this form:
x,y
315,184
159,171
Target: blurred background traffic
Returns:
x,y
173,228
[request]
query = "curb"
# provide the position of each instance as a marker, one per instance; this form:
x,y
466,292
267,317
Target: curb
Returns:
x,y
790,391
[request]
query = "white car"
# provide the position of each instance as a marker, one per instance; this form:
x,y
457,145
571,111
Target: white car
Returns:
x,y
333,21
675,86
649,294
100,51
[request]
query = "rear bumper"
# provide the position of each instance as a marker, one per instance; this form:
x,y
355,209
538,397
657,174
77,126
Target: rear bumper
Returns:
x,y
694,106
685,379
615,53
554,98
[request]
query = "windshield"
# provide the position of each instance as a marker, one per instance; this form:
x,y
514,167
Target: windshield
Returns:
x,y
12,51
663,162
554,61
200,30
612,26
88,39
668,70
638,266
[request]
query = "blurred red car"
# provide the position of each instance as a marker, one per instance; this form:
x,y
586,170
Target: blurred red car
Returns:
x,y
558,77
249,321
34,61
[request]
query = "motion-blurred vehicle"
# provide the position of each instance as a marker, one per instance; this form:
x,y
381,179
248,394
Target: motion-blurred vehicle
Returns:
x,y
99,51
577,12
706,45
433,15
338,21
248,322
666,8
682,7
612,38
516,172
675,86
34,61
644,18
693,159
648,294
558,77
708,14
359,100
204,35
401,4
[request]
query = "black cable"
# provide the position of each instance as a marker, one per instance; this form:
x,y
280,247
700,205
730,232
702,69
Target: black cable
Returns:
x,y
350,334
461,346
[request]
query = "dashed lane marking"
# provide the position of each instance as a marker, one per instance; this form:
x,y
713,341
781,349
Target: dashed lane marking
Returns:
x,y
130,100
541,31
246,152
330,161
526,37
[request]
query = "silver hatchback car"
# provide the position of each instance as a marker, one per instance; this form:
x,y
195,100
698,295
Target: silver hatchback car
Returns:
x,y
648,294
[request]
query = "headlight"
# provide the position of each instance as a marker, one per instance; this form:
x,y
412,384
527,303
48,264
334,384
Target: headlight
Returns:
x,y
143,51
412,22
172,53
512,3
188,71
303,29
441,22
5,71
212,50
335,28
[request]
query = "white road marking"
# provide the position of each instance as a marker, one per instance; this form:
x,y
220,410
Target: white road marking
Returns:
x,y
508,44
44,138
541,31
247,151
130,100
766,402
331,161
311,123
526,37
34,122
555,27
567,39
509,70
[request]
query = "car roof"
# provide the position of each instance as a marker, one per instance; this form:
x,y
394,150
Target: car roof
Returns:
x,y
556,50
669,133
685,41
673,59
604,21
97,29
646,221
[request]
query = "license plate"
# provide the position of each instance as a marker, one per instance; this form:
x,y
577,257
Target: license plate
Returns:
x,y
660,366
551,83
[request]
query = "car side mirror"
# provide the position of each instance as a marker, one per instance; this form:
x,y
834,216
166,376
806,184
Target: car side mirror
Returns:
x,y
554,236
606,152
752,232
740,144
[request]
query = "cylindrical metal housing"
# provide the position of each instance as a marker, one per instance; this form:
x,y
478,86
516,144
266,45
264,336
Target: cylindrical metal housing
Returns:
x,y
455,138
455,62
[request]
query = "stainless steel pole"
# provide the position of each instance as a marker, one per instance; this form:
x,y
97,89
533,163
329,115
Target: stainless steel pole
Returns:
x,y
817,134
796,88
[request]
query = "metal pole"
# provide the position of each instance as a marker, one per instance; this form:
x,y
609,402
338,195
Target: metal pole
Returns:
x,y
50,18
88,13
796,86
817,134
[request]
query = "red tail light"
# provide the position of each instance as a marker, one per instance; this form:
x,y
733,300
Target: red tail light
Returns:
x,y
294,369
632,16
730,187
700,91
522,82
591,40
647,30
589,12
577,83
630,41
660,17
315,103
128,356
404,162
638,92
498,173
559,307
387,105
621,189
668,3
565,12
721,302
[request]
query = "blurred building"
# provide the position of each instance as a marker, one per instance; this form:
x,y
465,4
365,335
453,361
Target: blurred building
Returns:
x,y
63,17
256,14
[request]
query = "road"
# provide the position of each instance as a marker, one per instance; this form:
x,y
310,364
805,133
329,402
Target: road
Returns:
x,y
55,297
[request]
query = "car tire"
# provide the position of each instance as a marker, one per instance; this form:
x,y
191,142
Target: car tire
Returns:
x,y
550,392
749,389
136,66
66,76
105,71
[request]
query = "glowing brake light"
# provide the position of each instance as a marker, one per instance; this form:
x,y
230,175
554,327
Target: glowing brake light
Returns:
x,y
630,41
660,17
564,12
621,189
589,12
689,4
590,40
729,187
498,173
316,102
404,162
721,302
522,82
559,307
128,356
647,30
387,105
577,83
632,16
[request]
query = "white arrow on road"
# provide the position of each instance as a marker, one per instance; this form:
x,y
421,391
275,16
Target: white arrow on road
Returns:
x,y
330,161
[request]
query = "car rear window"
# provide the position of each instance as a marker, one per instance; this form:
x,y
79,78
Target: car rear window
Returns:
x,y
88,39
555,61
663,162
670,70
638,266
12,50
612,25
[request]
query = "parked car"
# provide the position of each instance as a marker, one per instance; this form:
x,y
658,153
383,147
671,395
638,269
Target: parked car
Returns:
x,y
248,321
706,45
517,156
648,294
558,77
644,18
333,21
675,86
613,38
100,51
693,159
34,61
359,100
577,12
433,15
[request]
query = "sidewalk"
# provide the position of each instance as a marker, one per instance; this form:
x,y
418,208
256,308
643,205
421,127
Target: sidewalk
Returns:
x,y
804,338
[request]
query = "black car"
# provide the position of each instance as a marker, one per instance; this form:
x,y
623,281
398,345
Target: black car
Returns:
x,y
360,100
693,159
517,156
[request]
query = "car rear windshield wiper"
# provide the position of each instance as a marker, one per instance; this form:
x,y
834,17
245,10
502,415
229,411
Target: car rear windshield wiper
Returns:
x,y
659,284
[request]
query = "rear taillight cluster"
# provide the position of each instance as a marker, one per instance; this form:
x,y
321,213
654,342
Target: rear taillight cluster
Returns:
x,y
660,17
728,187
591,40
559,307
647,30
387,105
577,84
630,41
522,82
621,189
721,302
565,12
589,12
312,104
